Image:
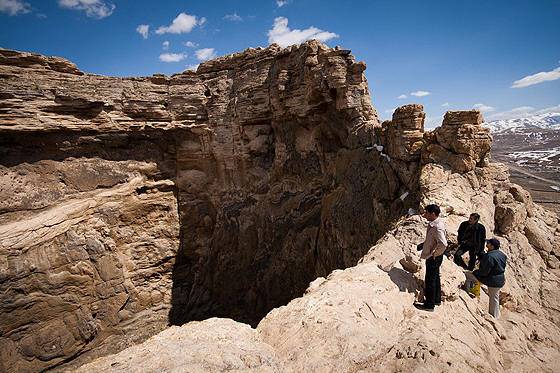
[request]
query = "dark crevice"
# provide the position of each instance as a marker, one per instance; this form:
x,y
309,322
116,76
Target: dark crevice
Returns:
x,y
244,253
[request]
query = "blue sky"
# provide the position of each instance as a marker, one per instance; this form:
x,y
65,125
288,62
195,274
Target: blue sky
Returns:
x,y
500,56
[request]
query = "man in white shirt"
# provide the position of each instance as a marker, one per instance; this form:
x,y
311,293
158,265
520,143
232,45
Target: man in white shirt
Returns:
x,y
432,250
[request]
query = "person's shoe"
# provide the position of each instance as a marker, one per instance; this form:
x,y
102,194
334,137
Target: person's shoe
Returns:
x,y
424,307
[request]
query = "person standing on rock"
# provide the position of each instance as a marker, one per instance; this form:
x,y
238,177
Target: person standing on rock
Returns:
x,y
471,237
492,274
432,250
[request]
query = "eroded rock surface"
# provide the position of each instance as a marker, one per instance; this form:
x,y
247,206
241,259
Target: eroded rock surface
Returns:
x,y
213,345
362,318
461,142
130,203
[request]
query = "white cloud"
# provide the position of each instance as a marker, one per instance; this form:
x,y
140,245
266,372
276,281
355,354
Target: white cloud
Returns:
x,y
445,104
205,54
190,44
523,109
192,67
183,23
165,45
281,3
14,7
419,93
283,36
552,109
483,108
233,17
143,30
402,97
521,112
543,76
172,57
93,8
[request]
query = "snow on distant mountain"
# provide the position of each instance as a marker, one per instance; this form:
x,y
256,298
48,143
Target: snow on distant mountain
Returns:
x,y
545,121
532,143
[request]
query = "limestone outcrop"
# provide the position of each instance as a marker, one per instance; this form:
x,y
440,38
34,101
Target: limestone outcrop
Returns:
x,y
242,191
130,203
402,136
461,142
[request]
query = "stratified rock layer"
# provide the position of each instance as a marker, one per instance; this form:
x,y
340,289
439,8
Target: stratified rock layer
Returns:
x,y
127,204
362,318
461,142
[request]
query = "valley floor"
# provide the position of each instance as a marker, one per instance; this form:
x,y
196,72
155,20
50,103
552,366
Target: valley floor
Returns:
x,y
545,189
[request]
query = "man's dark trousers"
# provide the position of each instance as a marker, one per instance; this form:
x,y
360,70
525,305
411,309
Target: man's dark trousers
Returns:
x,y
473,253
432,288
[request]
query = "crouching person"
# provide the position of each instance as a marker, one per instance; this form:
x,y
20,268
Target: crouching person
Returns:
x,y
492,274
471,237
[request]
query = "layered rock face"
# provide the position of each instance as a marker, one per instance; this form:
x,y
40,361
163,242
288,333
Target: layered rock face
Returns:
x,y
266,206
362,318
459,142
131,203
89,224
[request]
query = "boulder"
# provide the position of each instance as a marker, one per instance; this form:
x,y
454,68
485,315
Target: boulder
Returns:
x,y
510,216
461,142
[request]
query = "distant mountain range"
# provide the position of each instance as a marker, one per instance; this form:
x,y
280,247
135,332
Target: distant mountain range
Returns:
x,y
530,146
547,121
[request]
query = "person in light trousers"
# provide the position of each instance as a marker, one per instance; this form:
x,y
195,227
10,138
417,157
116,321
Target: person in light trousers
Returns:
x,y
491,273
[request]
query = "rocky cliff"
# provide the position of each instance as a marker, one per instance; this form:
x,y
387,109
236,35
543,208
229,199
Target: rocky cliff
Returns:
x,y
362,318
128,204
131,203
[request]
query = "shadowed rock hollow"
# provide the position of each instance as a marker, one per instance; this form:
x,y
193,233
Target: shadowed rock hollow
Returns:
x,y
127,204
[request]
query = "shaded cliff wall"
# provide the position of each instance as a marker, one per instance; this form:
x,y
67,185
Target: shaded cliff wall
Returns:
x,y
288,187
128,203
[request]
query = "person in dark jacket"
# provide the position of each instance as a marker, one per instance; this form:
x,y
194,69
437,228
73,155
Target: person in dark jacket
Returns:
x,y
492,274
471,237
